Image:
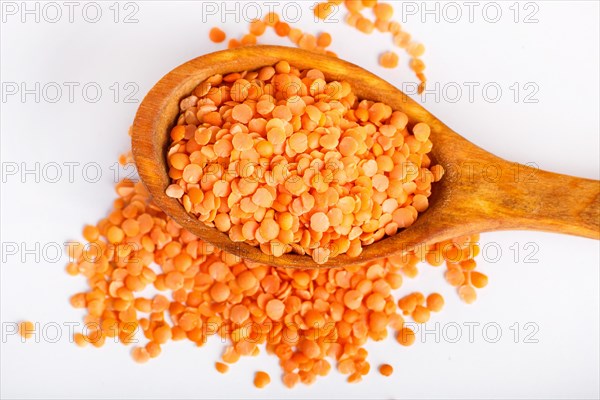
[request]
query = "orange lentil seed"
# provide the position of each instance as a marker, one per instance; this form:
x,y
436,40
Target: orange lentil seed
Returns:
x,y
324,40
140,355
79,339
420,314
261,379
386,369
383,11
478,279
467,294
389,59
258,27
91,233
217,35
221,367
406,337
435,302
26,329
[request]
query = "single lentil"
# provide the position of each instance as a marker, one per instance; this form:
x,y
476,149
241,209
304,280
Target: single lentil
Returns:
x,y
26,329
217,35
435,302
389,59
386,369
261,379
222,368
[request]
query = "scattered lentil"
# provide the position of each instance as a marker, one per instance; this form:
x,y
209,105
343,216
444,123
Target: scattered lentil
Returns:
x,y
26,329
389,59
217,35
420,314
329,312
386,369
222,368
140,355
435,302
382,21
261,379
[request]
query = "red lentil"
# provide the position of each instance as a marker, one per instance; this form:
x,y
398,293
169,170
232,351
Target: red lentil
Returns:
x,y
261,379
257,28
386,370
406,337
233,293
420,314
222,368
382,13
140,355
435,302
389,59
217,35
293,310
330,210
26,329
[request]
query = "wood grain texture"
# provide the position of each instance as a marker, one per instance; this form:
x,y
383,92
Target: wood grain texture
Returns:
x,y
479,193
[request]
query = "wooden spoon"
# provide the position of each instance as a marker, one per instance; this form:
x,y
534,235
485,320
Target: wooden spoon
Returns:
x,y
480,192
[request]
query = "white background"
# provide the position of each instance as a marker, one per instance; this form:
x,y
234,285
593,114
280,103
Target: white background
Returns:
x,y
558,295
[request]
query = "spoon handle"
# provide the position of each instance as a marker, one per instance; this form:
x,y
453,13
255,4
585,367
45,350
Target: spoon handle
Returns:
x,y
533,199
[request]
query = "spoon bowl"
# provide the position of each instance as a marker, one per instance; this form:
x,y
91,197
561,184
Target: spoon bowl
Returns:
x,y
479,192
